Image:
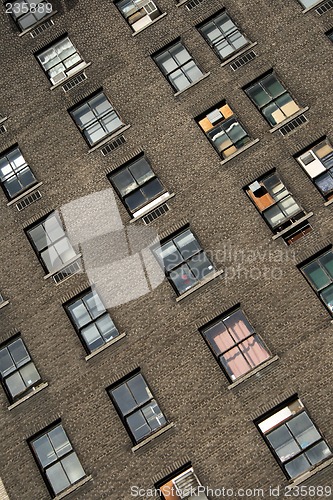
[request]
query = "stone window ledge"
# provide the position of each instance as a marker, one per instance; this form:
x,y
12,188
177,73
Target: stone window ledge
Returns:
x,y
20,196
192,84
312,6
289,119
240,151
35,390
153,22
73,487
239,53
79,70
329,202
204,282
105,346
4,303
153,436
3,119
179,4
161,199
46,18
317,468
109,138
292,226
253,372
77,257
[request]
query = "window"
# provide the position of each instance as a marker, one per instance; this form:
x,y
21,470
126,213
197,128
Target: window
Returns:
x,y
223,36
293,438
319,273
330,35
223,130
272,99
235,345
60,60
15,174
183,260
57,461
17,370
26,13
137,407
50,243
136,184
274,202
182,484
178,66
318,164
138,13
91,320
308,3
96,118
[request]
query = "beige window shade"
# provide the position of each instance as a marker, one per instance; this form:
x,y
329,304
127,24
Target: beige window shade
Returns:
x,y
206,124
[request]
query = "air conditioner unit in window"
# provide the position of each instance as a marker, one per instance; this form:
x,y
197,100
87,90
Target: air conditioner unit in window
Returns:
x,y
150,7
58,77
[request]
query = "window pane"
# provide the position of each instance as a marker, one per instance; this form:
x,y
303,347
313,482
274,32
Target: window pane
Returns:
x,y
124,182
106,327
135,200
325,183
179,80
183,279
166,62
200,266
192,71
297,466
92,337
316,275
138,425
6,362
57,478
73,468
234,130
274,216
179,53
225,24
94,133
141,171
124,399
19,352
39,237
44,450
303,429
187,244
26,177
139,389
53,228
219,138
272,86
224,48
308,3
318,453
51,259
287,104
152,189
258,95
218,338
234,363
83,116
254,351
65,250
100,105
15,384
111,122
327,262
327,296
29,374
283,443
59,441
289,206
153,415
94,304
273,114
168,255
238,40
79,313
238,325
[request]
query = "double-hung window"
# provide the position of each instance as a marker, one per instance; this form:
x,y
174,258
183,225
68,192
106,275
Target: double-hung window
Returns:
x,y
223,36
273,200
178,66
235,344
17,370
184,261
60,60
223,129
319,273
138,13
26,13
317,162
91,320
137,408
136,184
50,243
293,438
96,118
15,174
272,99
182,484
56,459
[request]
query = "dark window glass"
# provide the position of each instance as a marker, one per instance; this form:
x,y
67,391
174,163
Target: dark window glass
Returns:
x,y
15,174
27,13
319,273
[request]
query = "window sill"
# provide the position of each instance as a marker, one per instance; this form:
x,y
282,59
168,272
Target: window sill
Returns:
x,y
204,282
152,437
289,119
303,477
35,390
292,226
77,257
2,120
312,6
79,70
192,84
239,53
329,202
179,4
28,191
253,372
109,138
153,22
38,23
154,204
4,303
73,487
105,346
240,151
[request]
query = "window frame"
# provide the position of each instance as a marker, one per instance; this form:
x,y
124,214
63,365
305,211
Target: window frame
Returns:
x,y
43,469
223,36
253,334
4,155
152,19
97,120
273,412
92,321
38,21
123,416
13,399
259,82
311,260
171,478
126,167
